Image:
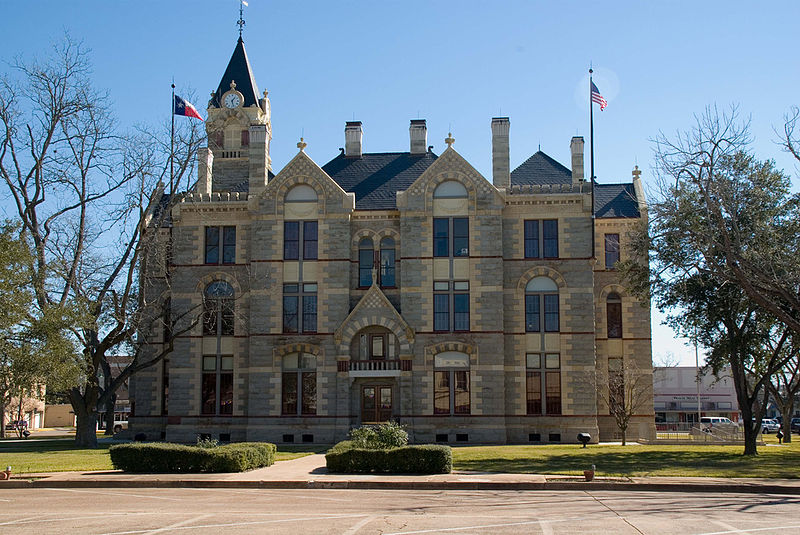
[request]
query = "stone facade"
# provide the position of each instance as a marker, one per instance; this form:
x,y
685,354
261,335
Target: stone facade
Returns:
x,y
469,374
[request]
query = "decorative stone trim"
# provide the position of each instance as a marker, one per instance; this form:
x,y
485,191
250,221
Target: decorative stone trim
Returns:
x,y
282,351
541,271
216,276
612,288
434,349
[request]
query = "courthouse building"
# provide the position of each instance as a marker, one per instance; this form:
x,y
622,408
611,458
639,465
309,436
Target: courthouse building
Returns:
x,y
389,286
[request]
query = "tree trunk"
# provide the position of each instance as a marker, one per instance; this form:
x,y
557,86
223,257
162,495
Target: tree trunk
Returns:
x,y
786,422
2,420
109,415
85,408
85,429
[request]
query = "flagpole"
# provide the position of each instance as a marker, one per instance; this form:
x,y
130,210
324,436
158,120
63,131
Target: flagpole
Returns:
x,y
591,156
172,141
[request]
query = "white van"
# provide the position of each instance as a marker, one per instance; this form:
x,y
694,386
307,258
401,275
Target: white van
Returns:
x,y
718,422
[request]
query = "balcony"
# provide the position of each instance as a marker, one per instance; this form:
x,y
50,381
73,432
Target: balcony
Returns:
x,y
374,368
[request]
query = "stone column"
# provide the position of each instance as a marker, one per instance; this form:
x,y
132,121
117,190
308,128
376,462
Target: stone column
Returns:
x,y
205,163
501,167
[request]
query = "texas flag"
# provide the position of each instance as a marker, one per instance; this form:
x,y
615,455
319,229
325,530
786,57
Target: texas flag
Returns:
x,y
181,107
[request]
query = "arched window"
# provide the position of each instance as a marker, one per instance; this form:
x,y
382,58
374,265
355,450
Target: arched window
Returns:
x,y
541,305
450,189
450,234
218,317
298,232
387,263
299,392
366,261
614,315
301,193
451,383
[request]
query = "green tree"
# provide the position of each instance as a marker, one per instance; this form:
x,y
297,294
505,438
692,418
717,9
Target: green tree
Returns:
x,y
718,213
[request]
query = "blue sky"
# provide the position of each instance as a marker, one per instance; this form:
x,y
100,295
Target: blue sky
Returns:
x,y
456,64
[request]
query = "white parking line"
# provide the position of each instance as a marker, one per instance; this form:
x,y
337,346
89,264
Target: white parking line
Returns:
x,y
238,524
359,525
180,524
107,493
753,530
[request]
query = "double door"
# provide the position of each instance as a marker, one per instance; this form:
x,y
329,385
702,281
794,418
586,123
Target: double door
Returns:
x,y
376,404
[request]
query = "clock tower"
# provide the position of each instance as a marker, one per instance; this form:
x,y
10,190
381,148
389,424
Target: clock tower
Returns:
x,y
239,132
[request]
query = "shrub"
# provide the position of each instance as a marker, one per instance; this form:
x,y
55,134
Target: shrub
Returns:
x,y
379,437
207,443
167,458
346,458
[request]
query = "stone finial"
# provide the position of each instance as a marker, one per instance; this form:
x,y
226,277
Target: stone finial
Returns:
x,y
266,93
637,173
233,84
302,145
449,139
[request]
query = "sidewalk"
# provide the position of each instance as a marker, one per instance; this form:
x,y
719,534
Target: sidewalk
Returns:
x,y
309,472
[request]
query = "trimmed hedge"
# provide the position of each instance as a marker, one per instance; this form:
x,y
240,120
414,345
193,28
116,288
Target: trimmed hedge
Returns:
x,y
424,459
159,457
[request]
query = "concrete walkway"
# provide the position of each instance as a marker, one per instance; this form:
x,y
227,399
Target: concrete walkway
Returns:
x,y
310,472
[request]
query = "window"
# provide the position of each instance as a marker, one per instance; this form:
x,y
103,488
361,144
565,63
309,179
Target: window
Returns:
x,y
377,343
300,308
365,263
218,318
228,245
543,374
387,263
295,233
245,138
217,388
612,250
446,296
451,383
299,384
532,239
614,315
541,238
443,229
541,295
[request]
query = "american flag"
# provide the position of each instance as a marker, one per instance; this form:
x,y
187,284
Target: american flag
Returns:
x,y
597,97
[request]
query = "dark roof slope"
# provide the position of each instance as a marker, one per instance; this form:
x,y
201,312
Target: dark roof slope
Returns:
x,y
240,72
540,169
615,200
375,178
244,185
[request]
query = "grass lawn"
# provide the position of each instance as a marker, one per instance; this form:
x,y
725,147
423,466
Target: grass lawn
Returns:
x,y
60,455
773,461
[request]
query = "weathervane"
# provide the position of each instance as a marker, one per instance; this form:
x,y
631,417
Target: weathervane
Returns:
x,y
241,22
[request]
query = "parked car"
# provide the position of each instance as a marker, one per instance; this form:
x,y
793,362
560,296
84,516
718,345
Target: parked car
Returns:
x,y
795,425
769,425
16,424
711,423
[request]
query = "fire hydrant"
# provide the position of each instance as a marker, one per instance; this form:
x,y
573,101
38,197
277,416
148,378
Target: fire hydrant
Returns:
x,y
6,474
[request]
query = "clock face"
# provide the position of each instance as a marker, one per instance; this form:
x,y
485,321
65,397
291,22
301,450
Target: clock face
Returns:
x,y
232,100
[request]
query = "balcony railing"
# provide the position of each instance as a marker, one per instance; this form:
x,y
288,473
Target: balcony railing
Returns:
x,y
377,365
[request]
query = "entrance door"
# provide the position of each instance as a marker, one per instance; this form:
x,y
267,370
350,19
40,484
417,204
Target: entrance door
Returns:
x,y
376,404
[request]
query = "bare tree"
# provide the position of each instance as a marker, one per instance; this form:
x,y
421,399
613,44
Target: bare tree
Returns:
x,y
625,390
86,195
785,383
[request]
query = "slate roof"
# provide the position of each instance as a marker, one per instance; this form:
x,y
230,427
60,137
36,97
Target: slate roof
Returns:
x,y
240,72
540,169
615,200
375,178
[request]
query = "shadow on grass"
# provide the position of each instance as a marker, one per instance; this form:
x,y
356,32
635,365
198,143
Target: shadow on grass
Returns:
x,y
641,462
44,446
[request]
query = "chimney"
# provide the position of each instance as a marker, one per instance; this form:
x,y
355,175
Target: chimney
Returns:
x,y
258,156
576,149
418,132
501,171
205,164
352,139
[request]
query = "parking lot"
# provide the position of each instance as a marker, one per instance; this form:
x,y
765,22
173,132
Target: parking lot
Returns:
x,y
143,510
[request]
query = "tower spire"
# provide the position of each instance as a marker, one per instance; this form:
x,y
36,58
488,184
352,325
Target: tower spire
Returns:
x,y
241,22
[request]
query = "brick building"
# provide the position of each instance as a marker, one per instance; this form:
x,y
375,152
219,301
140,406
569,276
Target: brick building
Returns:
x,y
383,286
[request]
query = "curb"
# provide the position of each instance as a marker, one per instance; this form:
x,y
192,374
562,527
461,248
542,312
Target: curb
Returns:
x,y
410,485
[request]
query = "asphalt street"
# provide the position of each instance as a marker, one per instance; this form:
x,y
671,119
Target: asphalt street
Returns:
x,y
324,511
